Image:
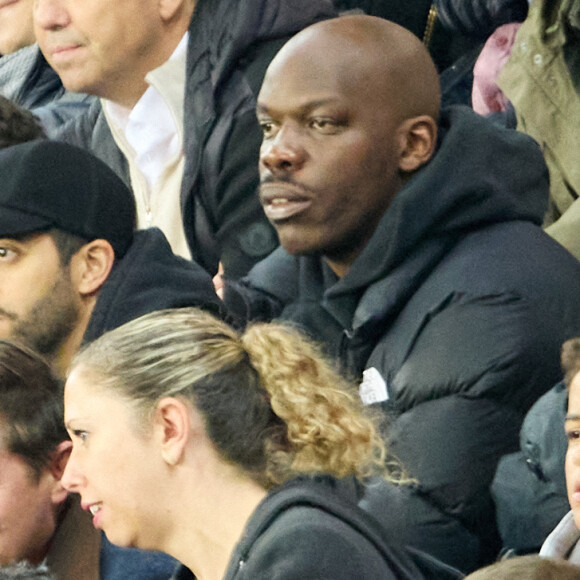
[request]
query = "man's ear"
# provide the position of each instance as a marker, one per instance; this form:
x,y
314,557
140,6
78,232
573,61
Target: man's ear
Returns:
x,y
58,462
173,428
417,139
91,266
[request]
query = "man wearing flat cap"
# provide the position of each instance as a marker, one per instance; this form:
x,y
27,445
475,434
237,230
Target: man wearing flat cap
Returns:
x,y
72,265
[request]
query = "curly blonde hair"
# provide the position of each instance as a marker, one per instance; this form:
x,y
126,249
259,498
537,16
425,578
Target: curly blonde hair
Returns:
x,y
271,402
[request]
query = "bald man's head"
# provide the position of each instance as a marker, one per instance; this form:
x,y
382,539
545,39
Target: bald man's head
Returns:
x,y
380,57
348,108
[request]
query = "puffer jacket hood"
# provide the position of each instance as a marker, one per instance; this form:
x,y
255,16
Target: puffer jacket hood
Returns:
x,y
463,188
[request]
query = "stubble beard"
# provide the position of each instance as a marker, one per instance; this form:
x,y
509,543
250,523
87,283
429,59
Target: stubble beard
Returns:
x,y
51,321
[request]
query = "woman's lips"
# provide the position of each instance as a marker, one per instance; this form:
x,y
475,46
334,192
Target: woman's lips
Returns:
x,y
95,511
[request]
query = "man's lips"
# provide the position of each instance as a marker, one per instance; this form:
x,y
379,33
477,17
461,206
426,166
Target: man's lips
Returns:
x,y
282,200
63,51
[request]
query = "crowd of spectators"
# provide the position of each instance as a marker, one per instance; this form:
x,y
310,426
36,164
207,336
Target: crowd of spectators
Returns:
x,y
289,289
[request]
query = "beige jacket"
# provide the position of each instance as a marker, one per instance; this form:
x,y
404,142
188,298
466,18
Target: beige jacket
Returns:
x,y
537,81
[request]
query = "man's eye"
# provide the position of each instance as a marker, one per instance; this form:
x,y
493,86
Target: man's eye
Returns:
x,y
573,436
325,126
267,127
6,253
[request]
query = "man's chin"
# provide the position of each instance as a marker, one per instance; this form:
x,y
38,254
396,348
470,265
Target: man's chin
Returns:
x,y
296,242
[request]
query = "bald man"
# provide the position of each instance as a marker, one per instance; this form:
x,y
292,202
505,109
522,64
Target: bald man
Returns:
x,y
412,249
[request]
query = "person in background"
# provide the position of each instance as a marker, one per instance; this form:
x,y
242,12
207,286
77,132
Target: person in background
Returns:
x,y
25,571
231,452
39,520
541,80
71,263
175,117
17,125
531,567
529,486
412,249
25,76
563,542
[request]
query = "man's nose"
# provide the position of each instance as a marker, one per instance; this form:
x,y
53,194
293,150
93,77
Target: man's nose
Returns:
x,y
283,152
50,14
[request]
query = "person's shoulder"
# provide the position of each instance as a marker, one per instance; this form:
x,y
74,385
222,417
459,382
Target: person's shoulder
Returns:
x,y
311,527
308,541
80,130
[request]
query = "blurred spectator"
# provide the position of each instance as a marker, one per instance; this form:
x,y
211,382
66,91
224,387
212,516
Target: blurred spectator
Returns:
x,y
17,125
529,488
541,80
482,21
25,76
41,521
564,541
527,568
25,571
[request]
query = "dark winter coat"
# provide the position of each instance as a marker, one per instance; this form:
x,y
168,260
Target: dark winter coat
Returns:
x,y
529,488
231,43
479,18
461,303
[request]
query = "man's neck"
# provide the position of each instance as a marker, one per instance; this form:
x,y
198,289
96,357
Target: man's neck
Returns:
x,y
63,358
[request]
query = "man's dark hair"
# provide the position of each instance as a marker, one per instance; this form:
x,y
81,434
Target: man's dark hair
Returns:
x,y
31,406
66,244
17,125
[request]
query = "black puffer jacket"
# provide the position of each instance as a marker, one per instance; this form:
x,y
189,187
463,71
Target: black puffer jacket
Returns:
x,y
460,302
231,43
479,18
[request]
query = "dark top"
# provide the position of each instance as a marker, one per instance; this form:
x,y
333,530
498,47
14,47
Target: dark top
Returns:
x,y
308,529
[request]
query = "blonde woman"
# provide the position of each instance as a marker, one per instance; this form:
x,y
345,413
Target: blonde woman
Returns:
x,y
217,449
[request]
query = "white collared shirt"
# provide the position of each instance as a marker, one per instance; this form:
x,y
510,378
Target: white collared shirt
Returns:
x,y
150,135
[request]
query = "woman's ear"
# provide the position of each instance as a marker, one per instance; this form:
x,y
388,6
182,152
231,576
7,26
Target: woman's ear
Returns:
x,y
91,265
173,428
417,138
